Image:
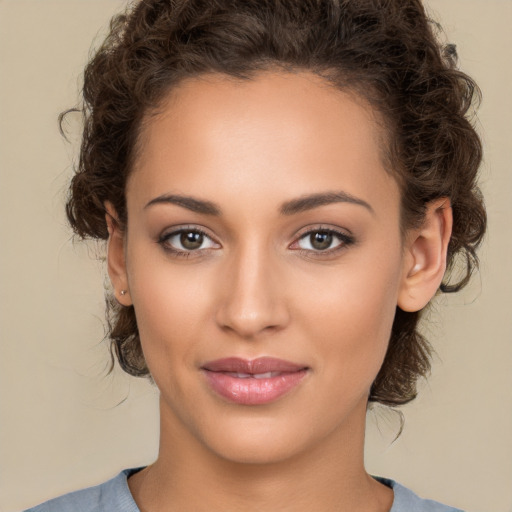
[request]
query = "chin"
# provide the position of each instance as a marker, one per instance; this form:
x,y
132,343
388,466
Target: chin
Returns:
x,y
257,451
260,441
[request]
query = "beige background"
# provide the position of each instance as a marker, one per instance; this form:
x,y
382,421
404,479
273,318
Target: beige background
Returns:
x,y
65,424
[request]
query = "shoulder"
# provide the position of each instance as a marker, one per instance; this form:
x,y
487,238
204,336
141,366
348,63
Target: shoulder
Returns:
x,y
405,500
111,496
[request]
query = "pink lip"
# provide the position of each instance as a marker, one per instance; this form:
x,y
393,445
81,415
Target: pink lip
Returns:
x,y
249,390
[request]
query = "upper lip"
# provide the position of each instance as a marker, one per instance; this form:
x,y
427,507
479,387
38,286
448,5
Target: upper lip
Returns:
x,y
254,366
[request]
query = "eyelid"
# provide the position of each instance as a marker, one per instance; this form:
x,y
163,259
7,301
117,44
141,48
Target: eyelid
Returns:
x,y
344,236
176,230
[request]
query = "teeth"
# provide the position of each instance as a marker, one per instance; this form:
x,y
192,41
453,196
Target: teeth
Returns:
x,y
266,375
263,375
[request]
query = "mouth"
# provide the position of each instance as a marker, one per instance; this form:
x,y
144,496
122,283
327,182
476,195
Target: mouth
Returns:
x,y
253,382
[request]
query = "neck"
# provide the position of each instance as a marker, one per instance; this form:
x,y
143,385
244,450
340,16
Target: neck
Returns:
x,y
329,477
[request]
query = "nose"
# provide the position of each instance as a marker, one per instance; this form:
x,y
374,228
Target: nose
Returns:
x,y
252,294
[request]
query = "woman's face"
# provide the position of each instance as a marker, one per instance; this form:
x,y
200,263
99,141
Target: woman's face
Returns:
x,y
262,224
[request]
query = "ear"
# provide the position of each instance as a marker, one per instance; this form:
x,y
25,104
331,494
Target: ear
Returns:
x,y
116,263
425,256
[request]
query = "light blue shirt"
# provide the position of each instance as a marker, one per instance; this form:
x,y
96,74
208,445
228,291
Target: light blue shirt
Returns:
x,y
115,496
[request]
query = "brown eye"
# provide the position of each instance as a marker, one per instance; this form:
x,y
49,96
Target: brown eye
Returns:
x,y
187,241
321,240
191,240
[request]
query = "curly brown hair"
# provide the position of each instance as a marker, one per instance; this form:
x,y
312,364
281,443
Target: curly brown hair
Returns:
x,y
387,51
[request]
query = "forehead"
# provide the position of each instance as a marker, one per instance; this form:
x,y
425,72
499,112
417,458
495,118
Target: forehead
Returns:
x,y
278,134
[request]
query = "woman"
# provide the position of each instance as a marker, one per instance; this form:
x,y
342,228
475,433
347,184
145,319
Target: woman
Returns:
x,y
282,186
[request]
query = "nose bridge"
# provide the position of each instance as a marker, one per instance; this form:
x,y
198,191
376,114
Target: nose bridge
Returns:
x,y
252,299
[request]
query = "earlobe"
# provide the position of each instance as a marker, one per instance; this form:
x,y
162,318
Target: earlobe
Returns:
x,y
425,256
116,264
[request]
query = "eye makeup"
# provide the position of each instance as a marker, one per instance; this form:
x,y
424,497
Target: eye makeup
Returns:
x,y
322,242
192,241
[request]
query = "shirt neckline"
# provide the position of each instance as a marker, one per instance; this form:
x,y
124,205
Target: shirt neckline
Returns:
x,y
127,473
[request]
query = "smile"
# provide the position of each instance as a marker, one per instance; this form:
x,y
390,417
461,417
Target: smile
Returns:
x,y
257,382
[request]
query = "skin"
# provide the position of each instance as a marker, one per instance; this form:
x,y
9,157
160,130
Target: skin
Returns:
x,y
257,286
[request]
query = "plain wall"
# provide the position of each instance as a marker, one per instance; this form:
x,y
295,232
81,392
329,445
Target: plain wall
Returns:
x,y
66,424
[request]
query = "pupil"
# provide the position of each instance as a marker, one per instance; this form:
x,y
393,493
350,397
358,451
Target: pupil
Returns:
x,y
321,240
191,240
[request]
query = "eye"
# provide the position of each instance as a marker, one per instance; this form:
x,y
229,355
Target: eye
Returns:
x,y
187,241
323,240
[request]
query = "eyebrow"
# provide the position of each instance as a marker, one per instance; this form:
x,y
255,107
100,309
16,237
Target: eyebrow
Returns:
x,y
190,203
311,201
301,204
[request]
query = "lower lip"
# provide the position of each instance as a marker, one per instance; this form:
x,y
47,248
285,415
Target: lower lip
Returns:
x,y
252,391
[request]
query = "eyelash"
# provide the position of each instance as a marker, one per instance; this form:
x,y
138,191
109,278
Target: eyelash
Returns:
x,y
164,239
345,241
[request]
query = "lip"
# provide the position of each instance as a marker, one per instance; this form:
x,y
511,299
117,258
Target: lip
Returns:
x,y
247,389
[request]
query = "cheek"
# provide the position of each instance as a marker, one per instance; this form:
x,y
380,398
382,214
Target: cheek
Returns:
x,y
351,317
169,307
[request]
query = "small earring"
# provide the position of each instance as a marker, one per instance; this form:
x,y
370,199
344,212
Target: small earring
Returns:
x,y
123,292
